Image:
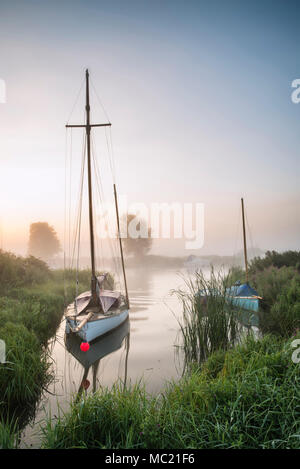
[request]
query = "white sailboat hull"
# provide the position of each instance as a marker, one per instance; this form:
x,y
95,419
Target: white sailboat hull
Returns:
x,y
95,328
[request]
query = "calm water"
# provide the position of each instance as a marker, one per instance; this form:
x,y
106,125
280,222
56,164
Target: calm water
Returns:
x,y
147,352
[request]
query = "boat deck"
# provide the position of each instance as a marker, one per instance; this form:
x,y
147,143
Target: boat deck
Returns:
x,y
71,313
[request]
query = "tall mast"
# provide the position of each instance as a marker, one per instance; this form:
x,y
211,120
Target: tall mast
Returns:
x,y
88,127
120,242
88,140
245,241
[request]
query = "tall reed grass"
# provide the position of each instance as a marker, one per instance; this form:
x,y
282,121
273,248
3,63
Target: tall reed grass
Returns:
x,y
209,320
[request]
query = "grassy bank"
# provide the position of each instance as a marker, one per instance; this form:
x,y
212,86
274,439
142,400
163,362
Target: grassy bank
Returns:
x,y
32,300
233,395
246,397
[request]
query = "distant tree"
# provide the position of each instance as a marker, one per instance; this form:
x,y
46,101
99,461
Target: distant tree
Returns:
x,y
138,242
43,241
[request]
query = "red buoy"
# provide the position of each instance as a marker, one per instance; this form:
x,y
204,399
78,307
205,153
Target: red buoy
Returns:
x,y
85,384
84,346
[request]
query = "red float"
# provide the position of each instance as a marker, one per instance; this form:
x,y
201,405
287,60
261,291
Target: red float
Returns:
x,y
84,346
85,384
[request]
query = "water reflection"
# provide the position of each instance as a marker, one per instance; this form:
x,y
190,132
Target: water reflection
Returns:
x,y
139,284
99,349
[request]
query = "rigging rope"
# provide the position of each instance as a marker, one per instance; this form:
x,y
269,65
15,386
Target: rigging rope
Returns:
x,y
98,199
65,215
99,100
77,224
80,212
110,154
237,232
108,140
76,100
107,218
250,234
70,191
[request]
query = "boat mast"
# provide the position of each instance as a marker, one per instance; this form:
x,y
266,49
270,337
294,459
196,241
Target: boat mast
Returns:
x,y
88,143
245,241
120,242
88,127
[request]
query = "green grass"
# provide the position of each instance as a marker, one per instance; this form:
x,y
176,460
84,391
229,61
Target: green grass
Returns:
x,y
40,307
111,419
29,317
31,307
246,397
9,435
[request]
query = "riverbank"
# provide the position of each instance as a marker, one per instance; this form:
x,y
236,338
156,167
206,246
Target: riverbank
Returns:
x,y
247,397
31,307
241,395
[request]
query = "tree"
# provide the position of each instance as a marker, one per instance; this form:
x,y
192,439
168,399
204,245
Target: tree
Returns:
x,y
138,241
43,241
276,259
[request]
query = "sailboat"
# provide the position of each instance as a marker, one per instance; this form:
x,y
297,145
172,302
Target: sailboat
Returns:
x,y
243,295
244,299
97,311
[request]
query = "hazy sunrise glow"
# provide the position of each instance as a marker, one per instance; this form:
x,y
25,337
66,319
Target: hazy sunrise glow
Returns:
x,y
199,96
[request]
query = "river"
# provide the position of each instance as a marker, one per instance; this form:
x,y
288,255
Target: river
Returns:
x,y
147,353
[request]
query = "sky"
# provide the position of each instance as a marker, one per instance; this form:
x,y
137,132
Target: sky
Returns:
x,y
199,96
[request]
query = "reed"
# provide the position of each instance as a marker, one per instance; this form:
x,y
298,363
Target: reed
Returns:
x,y
9,435
108,419
209,321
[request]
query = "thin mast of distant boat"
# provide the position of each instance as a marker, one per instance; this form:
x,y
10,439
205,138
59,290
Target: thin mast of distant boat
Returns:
x,y
245,241
88,127
120,242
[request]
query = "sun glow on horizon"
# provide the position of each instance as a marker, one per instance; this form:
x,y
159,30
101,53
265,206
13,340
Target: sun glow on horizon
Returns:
x,y
199,101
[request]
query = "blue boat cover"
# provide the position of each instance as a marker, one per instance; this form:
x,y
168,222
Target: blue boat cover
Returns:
x,y
242,290
242,296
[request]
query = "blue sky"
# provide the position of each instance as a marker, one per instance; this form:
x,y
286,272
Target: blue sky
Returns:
x,y
198,93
